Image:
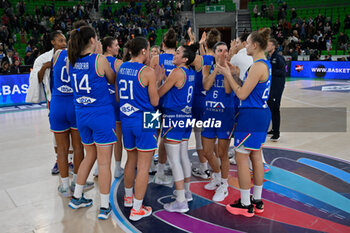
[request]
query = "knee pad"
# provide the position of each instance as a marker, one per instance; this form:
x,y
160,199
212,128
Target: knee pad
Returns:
x,y
198,137
173,153
185,161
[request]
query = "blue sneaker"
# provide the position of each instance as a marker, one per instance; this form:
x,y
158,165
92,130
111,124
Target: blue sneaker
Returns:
x,y
55,170
104,213
78,203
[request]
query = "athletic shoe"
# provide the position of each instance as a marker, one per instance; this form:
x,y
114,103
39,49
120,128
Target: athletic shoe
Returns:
x,y
213,184
233,160
162,180
128,201
188,195
64,192
118,173
95,172
231,154
55,170
201,174
258,205
176,206
221,193
152,168
270,132
239,209
87,186
76,203
275,138
266,167
104,213
144,211
71,166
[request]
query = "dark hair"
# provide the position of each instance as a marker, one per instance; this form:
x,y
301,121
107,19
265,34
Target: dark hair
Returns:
x,y
261,37
170,39
79,24
79,39
54,34
218,44
274,42
213,37
243,37
135,45
190,52
107,42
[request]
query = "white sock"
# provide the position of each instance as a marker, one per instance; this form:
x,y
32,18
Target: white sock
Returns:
x,y
180,195
217,176
203,166
224,182
187,187
245,197
160,169
65,182
78,191
70,158
74,178
128,192
257,190
104,200
137,204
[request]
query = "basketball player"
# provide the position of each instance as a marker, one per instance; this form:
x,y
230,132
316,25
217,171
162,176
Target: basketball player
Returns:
x,y
219,106
178,92
137,94
252,124
89,74
110,50
164,60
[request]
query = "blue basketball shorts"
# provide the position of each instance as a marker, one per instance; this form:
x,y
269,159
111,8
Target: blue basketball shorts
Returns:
x,y
96,125
176,126
116,107
198,106
225,131
135,137
62,115
251,129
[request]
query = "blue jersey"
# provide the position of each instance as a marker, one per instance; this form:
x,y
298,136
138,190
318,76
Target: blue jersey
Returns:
x,y
260,94
207,60
180,98
90,88
166,59
217,101
113,63
133,95
61,81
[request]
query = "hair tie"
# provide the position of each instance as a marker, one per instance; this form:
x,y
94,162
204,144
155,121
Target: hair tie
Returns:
x,y
78,29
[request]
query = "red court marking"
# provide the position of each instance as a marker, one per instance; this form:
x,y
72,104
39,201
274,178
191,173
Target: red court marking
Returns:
x,y
276,212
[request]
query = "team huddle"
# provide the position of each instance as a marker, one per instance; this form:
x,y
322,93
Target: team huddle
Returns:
x,y
100,102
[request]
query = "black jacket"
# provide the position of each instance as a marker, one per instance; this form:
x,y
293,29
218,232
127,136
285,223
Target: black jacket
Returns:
x,y
278,66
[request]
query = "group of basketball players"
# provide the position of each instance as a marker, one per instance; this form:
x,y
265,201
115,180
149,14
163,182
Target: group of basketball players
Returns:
x,y
100,101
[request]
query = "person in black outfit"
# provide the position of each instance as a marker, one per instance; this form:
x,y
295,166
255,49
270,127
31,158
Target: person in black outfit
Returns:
x,y
278,80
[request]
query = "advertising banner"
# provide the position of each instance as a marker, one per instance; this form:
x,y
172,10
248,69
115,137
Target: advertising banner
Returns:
x,y
320,69
13,89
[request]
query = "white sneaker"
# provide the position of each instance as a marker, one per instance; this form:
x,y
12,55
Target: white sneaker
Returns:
x,y
175,206
64,192
212,185
96,171
199,173
188,195
233,160
162,180
221,193
231,153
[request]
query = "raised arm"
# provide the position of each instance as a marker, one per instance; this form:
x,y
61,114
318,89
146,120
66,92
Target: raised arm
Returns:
x,y
208,79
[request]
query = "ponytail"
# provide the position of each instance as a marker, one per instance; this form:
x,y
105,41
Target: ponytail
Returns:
x,y
79,40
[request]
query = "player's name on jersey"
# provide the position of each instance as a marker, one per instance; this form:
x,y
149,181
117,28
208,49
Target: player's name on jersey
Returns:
x,y
128,71
81,66
186,123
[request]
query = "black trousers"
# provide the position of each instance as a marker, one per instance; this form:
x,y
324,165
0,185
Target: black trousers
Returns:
x,y
274,102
